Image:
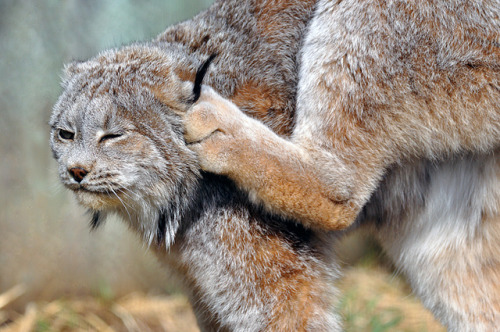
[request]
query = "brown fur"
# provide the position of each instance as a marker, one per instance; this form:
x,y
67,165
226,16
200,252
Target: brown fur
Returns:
x,y
244,269
389,92
289,285
427,93
372,109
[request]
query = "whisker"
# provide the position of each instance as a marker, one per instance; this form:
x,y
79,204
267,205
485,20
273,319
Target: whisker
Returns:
x,y
127,193
121,201
56,188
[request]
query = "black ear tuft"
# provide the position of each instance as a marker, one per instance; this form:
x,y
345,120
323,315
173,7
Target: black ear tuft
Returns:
x,y
200,74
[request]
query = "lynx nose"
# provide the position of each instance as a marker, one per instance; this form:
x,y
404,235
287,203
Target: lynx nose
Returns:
x,y
78,173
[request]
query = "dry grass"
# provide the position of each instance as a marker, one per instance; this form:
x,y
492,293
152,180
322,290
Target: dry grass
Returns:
x,y
376,300
135,312
373,300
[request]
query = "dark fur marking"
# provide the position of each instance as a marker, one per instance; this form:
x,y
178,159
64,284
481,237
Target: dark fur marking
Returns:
x,y
95,221
200,74
162,227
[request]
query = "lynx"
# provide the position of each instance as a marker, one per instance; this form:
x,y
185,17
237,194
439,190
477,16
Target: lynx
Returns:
x,y
397,127
118,134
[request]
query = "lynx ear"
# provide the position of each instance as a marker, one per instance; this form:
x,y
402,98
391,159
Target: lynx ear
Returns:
x,y
174,93
180,95
72,68
76,67
69,70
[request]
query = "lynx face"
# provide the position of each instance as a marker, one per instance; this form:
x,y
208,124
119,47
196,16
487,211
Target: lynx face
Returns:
x,y
119,148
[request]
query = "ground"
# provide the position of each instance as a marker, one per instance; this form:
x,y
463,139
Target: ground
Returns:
x,y
374,299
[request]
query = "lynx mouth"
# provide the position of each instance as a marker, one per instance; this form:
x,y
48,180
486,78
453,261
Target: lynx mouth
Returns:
x,y
92,189
99,199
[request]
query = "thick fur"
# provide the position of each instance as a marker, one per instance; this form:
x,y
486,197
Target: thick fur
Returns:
x,y
118,122
380,83
248,271
440,223
398,127
397,109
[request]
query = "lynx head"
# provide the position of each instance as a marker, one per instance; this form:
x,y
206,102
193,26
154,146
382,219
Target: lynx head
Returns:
x,y
118,139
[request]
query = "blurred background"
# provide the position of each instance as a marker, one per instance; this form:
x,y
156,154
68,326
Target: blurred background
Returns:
x,y
45,243
54,273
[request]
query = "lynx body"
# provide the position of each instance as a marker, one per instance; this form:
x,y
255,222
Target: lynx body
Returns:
x,y
118,136
397,127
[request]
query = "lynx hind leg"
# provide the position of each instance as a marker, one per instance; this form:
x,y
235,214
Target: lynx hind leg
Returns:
x,y
450,247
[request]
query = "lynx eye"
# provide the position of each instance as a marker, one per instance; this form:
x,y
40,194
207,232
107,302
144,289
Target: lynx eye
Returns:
x,y
66,135
109,136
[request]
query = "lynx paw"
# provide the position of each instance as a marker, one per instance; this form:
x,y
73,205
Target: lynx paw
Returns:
x,y
213,154
211,127
201,121
210,114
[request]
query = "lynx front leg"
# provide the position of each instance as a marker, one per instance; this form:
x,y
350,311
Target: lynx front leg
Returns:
x,y
280,174
360,109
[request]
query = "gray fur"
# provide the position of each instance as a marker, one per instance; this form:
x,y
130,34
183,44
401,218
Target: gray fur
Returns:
x,y
244,269
212,230
95,104
397,125
438,220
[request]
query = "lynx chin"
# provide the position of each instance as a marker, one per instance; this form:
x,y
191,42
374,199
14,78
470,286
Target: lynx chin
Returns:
x,y
315,116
